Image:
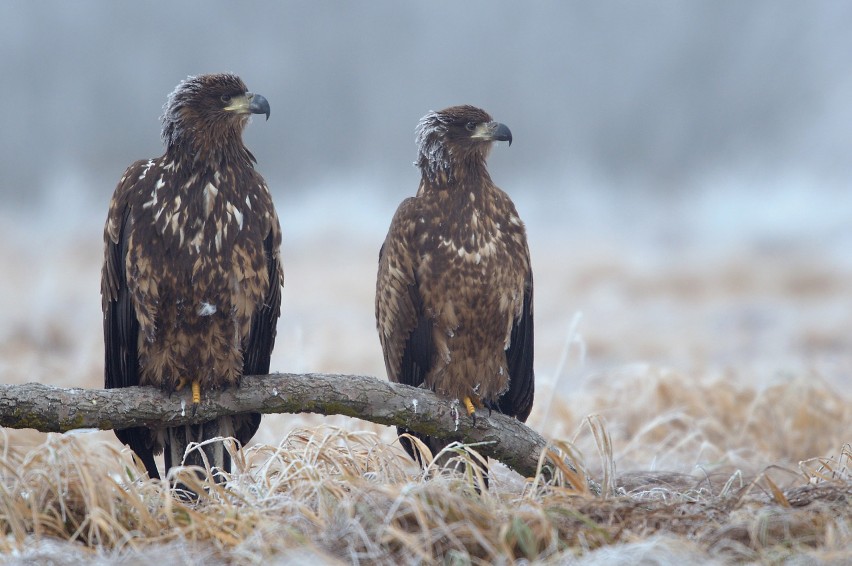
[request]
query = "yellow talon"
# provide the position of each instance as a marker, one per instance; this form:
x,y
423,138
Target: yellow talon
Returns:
x,y
471,410
196,392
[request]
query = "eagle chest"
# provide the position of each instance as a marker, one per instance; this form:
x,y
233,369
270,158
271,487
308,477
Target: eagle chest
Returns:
x,y
198,270
468,271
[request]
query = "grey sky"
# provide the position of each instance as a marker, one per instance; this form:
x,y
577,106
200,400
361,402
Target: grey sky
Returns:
x,y
630,94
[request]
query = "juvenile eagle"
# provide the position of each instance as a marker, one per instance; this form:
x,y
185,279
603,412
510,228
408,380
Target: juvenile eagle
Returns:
x,y
191,281
454,293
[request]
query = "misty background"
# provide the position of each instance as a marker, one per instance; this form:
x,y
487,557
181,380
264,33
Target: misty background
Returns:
x,y
622,98
683,168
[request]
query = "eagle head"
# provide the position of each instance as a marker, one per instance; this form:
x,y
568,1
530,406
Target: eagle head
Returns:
x,y
209,110
449,137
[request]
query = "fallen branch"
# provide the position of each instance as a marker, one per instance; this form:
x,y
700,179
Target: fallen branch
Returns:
x,y
54,409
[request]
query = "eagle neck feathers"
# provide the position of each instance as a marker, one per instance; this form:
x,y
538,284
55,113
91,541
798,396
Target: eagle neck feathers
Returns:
x,y
209,152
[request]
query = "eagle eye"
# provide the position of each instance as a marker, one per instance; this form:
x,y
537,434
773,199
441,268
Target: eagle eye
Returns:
x,y
225,98
470,126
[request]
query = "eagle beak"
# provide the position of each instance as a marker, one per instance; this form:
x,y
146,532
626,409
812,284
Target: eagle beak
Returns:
x,y
258,104
249,104
493,131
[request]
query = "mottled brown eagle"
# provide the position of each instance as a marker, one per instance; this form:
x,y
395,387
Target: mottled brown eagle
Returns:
x,y
454,294
191,281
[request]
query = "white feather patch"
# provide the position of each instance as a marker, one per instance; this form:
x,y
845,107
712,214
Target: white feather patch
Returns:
x,y
210,192
206,309
145,171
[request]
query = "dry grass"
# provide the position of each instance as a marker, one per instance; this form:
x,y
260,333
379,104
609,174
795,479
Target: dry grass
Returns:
x,y
327,494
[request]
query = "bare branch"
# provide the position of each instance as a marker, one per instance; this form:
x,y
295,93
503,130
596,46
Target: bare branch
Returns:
x,y
54,409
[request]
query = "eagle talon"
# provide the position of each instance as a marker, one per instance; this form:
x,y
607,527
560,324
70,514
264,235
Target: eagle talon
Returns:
x,y
490,405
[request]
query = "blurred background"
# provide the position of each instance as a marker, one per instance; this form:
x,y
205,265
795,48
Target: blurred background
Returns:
x,y
683,170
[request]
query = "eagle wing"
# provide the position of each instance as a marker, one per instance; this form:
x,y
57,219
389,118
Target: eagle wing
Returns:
x,y
121,327
261,338
518,400
405,332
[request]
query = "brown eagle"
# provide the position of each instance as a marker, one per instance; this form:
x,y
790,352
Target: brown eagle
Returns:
x,y
191,281
454,294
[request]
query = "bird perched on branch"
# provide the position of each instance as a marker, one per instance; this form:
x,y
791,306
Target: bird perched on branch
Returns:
x,y
191,281
454,293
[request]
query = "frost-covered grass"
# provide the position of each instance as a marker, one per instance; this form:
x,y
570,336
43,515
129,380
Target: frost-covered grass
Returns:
x,y
770,479
328,494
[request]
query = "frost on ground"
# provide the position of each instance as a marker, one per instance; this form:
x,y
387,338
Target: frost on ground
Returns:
x,y
700,375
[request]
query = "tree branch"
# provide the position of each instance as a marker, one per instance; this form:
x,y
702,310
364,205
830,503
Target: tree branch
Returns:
x,y
54,409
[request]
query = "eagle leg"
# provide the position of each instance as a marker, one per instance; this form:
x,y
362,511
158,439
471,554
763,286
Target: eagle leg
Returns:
x,y
181,383
468,403
471,409
196,396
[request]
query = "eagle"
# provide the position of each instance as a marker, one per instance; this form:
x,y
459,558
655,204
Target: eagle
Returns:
x,y
454,292
192,275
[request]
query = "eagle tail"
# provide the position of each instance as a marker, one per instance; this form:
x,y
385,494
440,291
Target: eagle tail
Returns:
x,y
435,446
139,441
207,456
147,458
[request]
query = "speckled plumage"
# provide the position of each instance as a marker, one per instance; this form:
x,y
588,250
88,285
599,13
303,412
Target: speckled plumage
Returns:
x,y
191,282
454,287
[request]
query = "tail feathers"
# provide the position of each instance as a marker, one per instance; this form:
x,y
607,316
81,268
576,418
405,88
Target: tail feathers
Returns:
x,y
147,458
208,456
435,446
140,442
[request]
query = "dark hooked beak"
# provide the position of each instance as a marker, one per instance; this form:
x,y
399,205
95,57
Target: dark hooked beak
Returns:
x,y
501,132
259,105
